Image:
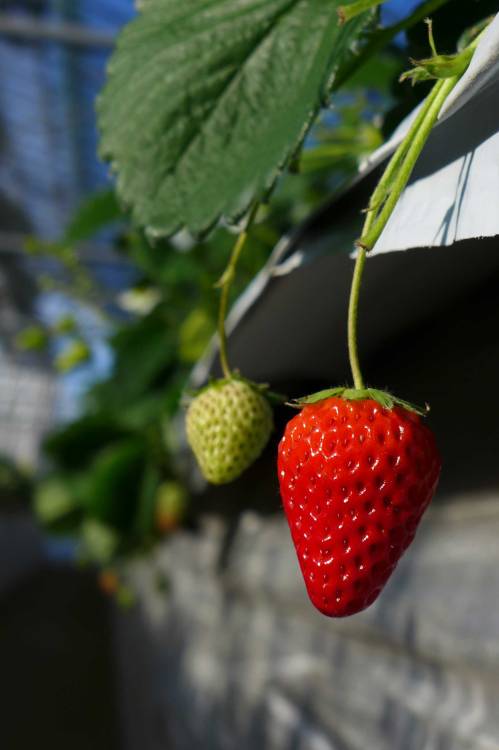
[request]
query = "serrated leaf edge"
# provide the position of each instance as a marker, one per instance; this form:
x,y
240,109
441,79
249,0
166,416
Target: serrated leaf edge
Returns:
x,y
241,204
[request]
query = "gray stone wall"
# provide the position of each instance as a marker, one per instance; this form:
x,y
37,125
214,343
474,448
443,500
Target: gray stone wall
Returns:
x,y
236,657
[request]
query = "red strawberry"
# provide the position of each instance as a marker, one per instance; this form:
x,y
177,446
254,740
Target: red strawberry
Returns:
x,y
355,476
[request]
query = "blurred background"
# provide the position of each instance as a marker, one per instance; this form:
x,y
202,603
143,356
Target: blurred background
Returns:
x,y
119,569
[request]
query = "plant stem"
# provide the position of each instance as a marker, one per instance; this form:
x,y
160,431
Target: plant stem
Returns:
x,y
391,185
432,109
347,12
387,193
385,183
353,315
225,284
431,38
353,308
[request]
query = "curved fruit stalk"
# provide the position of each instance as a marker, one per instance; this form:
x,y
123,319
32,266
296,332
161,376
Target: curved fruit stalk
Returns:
x,y
230,421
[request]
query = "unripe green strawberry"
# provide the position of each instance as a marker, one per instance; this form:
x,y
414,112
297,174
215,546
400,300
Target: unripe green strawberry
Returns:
x,y
228,426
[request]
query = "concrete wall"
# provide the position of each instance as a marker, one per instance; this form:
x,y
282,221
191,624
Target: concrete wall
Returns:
x,y
235,656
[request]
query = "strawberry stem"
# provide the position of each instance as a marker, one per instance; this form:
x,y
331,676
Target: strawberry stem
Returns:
x,y
353,316
385,198
416,143
225,284
383,202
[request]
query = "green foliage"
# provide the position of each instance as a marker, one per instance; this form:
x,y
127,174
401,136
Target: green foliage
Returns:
x,y
353,9
207,103
75,354
65,325
146,505
376,40
176,303
99,542
438,67
355,137
32,338
449,27
194,335
145,356
74,445
101,210
112,483
54,500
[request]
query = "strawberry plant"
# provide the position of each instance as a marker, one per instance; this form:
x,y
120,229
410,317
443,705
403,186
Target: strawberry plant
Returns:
x,y
207,106
212,150
244,83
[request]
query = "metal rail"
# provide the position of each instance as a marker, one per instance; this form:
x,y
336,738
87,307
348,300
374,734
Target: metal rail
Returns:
x,y
63,32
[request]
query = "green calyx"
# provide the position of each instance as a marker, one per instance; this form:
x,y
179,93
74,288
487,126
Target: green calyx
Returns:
x,y
386,400
263,389
438,67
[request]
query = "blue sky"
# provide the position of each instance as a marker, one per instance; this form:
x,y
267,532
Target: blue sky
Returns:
x,y
395,9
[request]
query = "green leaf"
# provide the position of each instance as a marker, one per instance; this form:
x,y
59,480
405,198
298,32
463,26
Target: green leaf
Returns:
x,y
54,499
146,506
352,10
144,352
73,446
75,354
208,100
65,325
97,212
194,335
32,338
99,542
113,484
